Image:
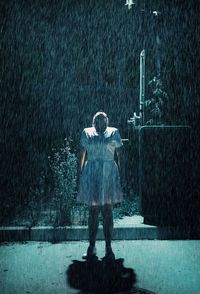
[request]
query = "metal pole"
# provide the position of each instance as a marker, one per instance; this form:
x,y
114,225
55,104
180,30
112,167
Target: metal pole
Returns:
x,y
142,86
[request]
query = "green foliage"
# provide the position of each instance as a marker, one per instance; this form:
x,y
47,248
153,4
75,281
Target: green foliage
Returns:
x,y
156,111
128,207
63,164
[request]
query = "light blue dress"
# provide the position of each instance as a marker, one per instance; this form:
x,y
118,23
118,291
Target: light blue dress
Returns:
x,y
100,180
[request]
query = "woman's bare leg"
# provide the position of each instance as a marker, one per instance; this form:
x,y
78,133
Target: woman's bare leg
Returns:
x,y
93,223
107,223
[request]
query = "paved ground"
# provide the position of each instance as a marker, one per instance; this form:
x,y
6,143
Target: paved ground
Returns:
x,y
164,267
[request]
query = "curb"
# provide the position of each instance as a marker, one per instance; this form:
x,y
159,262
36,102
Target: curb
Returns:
x,y
76,233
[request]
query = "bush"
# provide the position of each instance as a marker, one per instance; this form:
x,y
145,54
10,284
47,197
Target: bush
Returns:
x,y
63,164
128,207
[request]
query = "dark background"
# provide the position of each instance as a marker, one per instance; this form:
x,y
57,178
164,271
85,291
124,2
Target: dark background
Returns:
x,y
61,61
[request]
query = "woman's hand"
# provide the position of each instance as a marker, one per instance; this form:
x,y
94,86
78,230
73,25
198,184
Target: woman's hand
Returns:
x,y
82,158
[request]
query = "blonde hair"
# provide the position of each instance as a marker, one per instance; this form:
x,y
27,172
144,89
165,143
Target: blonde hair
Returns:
x,y
99,113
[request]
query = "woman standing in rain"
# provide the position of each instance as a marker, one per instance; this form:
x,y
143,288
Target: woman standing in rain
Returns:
x,y
99,185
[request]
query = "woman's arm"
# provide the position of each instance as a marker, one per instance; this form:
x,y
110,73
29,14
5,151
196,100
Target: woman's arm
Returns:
x,y
118,153
82,157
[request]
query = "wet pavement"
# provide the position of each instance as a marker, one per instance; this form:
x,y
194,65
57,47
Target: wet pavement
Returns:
x,y
161,266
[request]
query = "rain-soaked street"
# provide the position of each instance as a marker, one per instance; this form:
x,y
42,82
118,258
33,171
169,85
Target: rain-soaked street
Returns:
x,y
162,267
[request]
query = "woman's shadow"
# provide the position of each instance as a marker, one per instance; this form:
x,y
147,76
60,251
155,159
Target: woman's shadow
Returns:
x,y
100,276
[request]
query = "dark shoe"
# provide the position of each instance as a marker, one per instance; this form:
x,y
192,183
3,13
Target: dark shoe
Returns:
x,y
91,252
109,253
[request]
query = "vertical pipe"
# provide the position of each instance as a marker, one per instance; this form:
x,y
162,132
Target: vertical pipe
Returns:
x,y
142,85
142,119
140,171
